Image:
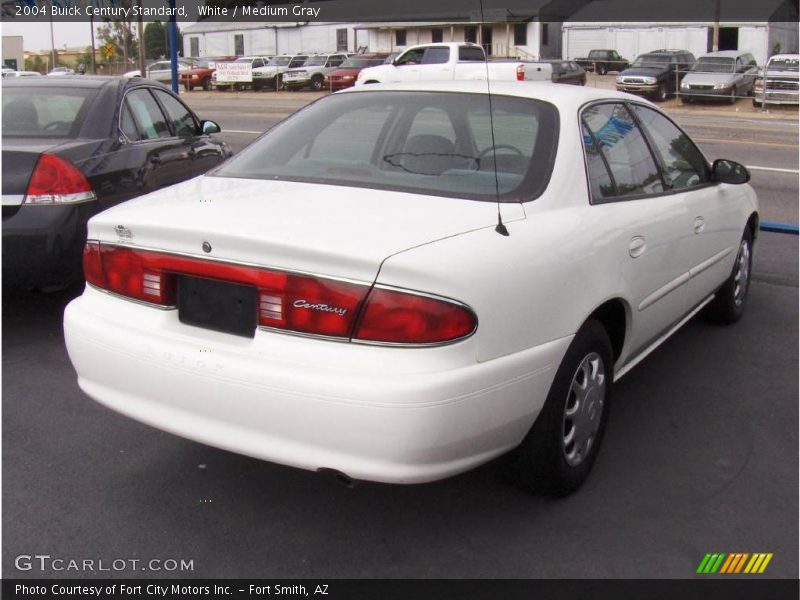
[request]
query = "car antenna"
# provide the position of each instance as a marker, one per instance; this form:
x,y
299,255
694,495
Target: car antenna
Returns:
x,y
500,228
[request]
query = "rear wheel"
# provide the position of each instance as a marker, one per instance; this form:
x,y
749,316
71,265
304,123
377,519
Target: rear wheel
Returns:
x,y
661,92
206,84
729,302
556,456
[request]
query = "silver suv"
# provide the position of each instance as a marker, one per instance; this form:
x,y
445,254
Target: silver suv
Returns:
x,y
720,75
312,73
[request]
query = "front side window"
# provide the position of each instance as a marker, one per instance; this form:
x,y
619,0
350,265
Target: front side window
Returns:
x,y
412,57
682,163
471,54
297,61
182,120
436,56
148,115
632,168
432,143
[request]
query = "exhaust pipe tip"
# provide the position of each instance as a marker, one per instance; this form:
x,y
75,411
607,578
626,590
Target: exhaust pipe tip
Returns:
x,y
342,478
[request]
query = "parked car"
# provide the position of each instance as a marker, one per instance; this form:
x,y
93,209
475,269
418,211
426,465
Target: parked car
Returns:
x,y
255,62
656,74
345,75
15,74
270,76
782,81
61,71
399,283
566,71
73,146
200,74
161,71
720,75
440,62
312,73
603,61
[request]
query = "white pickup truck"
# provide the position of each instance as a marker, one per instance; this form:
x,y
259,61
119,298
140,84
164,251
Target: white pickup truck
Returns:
x,y
465,61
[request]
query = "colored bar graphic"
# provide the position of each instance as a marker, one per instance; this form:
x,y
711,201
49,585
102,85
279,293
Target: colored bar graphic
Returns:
x,y
733,563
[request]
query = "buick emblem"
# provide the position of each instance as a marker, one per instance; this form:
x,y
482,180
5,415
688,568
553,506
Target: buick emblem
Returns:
x,y
206,247
123,232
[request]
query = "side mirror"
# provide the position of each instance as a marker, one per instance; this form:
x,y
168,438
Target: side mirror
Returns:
x,y
728,171
210,127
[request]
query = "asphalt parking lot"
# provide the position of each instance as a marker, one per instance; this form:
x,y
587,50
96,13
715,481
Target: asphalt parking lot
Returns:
x,y
700,454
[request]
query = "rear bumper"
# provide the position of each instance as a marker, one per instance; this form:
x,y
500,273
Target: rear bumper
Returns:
x,y
384,414
42,245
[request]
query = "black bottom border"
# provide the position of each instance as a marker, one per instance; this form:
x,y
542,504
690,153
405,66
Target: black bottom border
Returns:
x,y
405,589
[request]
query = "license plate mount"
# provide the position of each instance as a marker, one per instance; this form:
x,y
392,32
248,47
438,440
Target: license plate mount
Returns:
x,y
218,305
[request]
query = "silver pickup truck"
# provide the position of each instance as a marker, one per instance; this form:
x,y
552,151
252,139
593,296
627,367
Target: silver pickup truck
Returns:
x,y
780,84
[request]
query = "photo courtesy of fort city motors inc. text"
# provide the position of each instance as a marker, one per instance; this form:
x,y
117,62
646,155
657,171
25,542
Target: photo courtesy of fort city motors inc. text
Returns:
x,y
352,299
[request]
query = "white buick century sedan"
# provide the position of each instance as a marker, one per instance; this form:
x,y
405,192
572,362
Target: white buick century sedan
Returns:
x,y
399,283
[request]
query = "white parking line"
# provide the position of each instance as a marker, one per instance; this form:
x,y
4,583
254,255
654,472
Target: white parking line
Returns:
x,y
773,170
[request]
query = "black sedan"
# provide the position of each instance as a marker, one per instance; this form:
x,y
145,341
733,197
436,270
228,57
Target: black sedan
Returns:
x,y
73,146
568,71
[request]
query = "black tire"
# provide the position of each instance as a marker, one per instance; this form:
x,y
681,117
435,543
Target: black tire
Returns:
x,y
732,96
187,87
731,298
601,70
206,84
756,103
542,463
317,83
687,99
661,93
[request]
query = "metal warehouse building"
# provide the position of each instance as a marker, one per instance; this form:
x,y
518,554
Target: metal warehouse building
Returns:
x,y
763,28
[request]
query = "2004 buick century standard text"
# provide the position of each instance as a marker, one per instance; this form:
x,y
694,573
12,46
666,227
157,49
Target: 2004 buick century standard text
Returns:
x,y
341,295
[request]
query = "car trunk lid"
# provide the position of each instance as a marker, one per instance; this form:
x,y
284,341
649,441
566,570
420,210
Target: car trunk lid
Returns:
x,y
334,231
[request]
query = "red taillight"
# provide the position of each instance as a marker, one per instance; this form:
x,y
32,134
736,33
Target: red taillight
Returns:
x,y
403,318
55,180
288,301
520,72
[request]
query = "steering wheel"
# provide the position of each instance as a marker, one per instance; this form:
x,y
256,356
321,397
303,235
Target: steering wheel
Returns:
x,y
486,151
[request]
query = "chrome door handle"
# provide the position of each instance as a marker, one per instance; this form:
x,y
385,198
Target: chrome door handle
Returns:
x,y
637,246
699,225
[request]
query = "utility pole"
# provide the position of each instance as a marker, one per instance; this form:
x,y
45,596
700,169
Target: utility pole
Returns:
x,y
52,43
141,42
94,60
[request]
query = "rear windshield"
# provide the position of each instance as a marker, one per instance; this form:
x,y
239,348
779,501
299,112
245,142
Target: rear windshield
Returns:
x,y
41,112
711,64
434,143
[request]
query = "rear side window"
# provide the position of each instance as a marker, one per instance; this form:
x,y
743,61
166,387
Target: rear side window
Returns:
x,y
471,54
432,143
148,115
632,168
600,182
53,112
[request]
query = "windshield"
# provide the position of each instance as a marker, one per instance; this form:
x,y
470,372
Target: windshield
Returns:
x,y
659,62
713,64
433,143
360,63
280,61
784,64
47,113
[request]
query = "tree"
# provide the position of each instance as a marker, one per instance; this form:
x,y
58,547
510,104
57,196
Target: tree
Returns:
x,y
35,63
156,42
114,34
